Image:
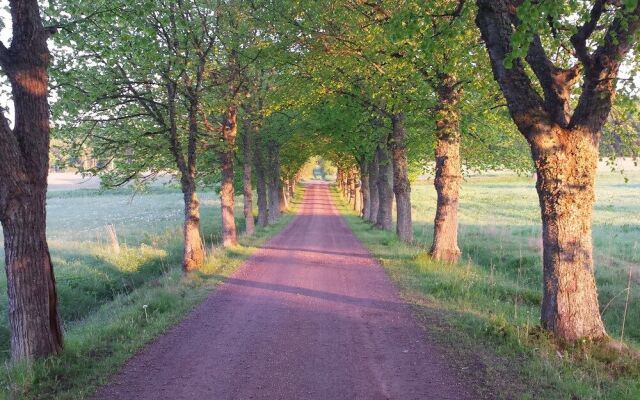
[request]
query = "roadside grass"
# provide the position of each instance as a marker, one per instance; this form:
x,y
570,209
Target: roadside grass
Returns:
x,y
113,304
485,310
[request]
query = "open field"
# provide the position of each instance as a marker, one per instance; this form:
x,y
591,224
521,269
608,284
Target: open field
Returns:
x,y
489,303
500,233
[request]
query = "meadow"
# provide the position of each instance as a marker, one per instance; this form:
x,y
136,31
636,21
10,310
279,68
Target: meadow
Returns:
x,y
489,304
500,233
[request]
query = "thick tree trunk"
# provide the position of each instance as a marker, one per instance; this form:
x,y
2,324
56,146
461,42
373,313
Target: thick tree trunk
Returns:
x,y
33,313
364,189
401,185
227,192
448,173
563,130
385,189
261,188
274,182
34,322
247,146
566,170
374,197
193,255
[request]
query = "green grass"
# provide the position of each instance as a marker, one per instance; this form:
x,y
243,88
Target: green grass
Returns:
x,y
485,310
112,304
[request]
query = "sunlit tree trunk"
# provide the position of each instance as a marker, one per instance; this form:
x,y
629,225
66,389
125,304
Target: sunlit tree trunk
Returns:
x,y
385,189
273,175
193,255
566,191
34,322
448,173
227,192
247,146
374,197
351,187
563,131
401,185
284,196
364,189
261,187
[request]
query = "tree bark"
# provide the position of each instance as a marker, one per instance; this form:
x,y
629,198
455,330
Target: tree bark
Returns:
x,y
564,145
34,320
292,187
401,185
448,172
274,182
193,250
227,192
364,189
385,189
193,255
284,197
374,198
351,187
566,171
261,187
247,145
356,193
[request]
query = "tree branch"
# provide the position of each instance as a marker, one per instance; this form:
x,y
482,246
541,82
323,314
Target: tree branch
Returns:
x,y
579,39
601,74
496,26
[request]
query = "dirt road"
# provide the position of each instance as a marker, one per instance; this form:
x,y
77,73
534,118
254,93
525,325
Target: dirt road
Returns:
x,y
310,316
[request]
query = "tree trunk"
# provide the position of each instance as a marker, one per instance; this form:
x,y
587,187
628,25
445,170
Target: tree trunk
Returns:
x,y
227,192
364,189
374,198
292,187
261,188
283,199
401,185
247,145
33,313
274,182
385,189
448,173
193,255
351,187
566,170
356,193
34,321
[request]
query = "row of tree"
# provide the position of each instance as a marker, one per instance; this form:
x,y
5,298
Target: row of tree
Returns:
x,y
393,68
383,89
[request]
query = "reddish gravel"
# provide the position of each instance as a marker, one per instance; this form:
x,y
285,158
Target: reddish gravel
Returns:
x,y
310,316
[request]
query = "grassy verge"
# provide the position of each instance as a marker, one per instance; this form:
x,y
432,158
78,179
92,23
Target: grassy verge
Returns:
x,y
113,305
487,323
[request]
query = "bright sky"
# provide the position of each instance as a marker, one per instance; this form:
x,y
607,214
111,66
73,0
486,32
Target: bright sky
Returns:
x,y
5,35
